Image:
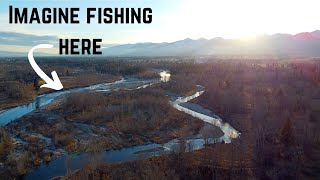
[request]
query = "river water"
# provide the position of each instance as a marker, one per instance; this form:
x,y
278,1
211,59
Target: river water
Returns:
x,y
58,167
6,116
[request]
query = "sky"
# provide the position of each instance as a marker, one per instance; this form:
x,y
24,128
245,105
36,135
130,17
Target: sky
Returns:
x,y
172,20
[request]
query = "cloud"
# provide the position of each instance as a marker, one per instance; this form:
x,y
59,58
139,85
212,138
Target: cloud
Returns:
x,y
19,39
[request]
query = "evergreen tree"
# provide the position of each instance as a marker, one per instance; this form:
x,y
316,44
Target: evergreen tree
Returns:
x,y
287,137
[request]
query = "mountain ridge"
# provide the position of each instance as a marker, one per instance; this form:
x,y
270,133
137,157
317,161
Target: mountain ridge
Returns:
x,y
304,44
301,44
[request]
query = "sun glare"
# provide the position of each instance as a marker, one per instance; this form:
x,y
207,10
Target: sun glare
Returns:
x,y
245,18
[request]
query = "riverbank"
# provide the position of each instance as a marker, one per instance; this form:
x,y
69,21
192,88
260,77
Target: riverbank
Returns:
x,y
144,151
50,131
175,165
68,84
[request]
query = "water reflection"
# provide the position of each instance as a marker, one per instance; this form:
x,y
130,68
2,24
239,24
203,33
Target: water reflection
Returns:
x,y
58,167
6,116
229,131
165,76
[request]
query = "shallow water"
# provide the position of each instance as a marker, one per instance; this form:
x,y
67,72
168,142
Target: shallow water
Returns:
x,y
58,166
6,116
204,114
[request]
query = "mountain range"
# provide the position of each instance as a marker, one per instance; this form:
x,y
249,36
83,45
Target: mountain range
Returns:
x,y
306,44
21,54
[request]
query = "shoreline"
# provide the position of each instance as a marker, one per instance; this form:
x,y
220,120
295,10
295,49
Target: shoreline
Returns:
x,y
2,110
149,149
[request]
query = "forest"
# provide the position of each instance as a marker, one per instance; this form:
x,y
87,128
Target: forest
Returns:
x,y
274,104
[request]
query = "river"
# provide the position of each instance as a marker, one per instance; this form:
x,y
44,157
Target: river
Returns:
x,y
57,167
8,115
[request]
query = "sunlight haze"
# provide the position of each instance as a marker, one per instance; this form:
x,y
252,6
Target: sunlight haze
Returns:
x,y
176,20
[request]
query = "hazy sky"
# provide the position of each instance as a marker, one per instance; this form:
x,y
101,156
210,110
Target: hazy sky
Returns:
x,y
176,19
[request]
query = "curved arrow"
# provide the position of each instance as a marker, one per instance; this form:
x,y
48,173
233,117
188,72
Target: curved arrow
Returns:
x,y
53,84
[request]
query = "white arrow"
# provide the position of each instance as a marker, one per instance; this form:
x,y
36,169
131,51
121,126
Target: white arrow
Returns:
x,y
53,84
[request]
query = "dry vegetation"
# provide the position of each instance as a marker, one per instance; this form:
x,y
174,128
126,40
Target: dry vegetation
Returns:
x,y
120,119
274,104
145,113
19,84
